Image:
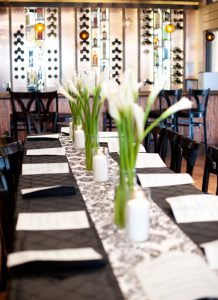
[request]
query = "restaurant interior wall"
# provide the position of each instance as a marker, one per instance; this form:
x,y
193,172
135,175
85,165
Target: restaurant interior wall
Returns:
x,y
59,51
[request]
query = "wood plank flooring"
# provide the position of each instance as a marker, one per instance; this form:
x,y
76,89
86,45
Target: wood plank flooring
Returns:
x,y
199,170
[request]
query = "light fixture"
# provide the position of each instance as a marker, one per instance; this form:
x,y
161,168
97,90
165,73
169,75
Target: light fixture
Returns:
x,y
39,27
170,28
84,35
210,36
127,22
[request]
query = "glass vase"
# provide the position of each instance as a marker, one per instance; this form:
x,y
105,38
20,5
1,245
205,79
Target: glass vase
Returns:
x,y
123,192
91,144
76,122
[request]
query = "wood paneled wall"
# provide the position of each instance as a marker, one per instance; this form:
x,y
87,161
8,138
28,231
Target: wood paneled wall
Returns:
x,y
209,16
212,112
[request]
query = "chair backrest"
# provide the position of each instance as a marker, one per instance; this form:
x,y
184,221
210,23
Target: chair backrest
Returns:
x,y
187,149
13,153
210,167
168,97
10,176
200,99
157,139
47,102
22,102
6,232
172,140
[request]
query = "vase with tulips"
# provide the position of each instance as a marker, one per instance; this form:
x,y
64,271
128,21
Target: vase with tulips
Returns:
x,y
130,121
84,93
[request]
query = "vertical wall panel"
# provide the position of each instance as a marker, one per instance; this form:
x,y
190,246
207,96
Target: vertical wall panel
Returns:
x,y
116,33
68,42
4,49
131,41
83,64
146,53
19,66
193,49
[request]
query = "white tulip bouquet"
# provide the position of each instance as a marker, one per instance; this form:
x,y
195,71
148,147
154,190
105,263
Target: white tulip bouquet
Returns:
x,y
130,120
84,93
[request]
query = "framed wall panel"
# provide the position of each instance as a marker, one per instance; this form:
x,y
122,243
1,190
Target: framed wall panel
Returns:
x,y
68,42
19,60
116,42
4,49
131,40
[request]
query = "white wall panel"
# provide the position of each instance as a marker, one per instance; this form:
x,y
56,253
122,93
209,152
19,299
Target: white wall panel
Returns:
x,y
68,42
4,49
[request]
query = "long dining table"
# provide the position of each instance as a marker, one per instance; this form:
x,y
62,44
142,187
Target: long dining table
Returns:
x,y
114,277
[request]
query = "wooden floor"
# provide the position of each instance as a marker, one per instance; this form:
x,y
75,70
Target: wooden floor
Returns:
x,y
199,170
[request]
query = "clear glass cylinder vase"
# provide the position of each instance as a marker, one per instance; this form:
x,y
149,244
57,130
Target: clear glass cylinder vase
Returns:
x,y
91,145
123,192
75,123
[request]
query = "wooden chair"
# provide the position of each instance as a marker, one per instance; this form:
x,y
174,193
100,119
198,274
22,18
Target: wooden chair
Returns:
x,y
195,116
155,142
186,149
22,105
14,152
166,99
172,143
47,118
210,167
5,233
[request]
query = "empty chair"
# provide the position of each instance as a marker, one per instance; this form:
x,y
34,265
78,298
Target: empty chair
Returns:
x,y
14,153
210,167
22,105
195,116
155,142
186,149
108,122
5,233
47,117
172,146
166,98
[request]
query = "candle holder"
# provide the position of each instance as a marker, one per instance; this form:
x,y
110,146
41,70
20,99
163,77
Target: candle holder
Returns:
x,y
100,164
79,137
137,215
91,145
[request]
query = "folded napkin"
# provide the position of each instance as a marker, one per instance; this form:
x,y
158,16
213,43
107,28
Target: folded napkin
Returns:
x,y
48,191
65,130
43,137
53,260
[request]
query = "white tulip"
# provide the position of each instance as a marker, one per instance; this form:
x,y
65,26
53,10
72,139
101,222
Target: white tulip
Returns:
x,y
139,115
182,104
72,87
61,90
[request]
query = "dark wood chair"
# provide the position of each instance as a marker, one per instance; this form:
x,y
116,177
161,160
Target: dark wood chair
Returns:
x,y
186,149
47,118
197,115
172,145
22,105
155,142
108,123
210,167
13,153
5,233
166,99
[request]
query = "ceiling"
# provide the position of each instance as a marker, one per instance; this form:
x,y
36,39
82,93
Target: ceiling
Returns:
x,y
109,3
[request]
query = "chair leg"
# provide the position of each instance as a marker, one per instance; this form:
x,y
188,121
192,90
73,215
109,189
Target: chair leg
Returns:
x,y
110,123
205,181
191,128
205,135
104,122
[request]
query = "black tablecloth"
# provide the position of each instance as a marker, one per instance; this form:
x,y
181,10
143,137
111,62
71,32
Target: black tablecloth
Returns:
x,y
199,232
96,283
